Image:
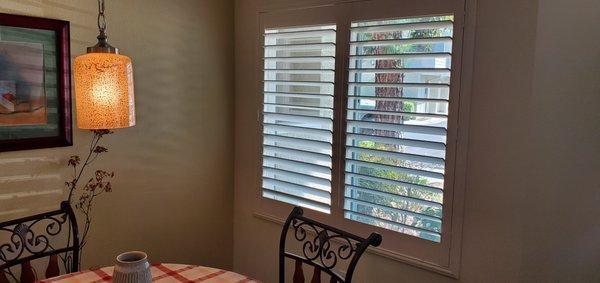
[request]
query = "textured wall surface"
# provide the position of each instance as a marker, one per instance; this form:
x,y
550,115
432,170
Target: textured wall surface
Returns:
x,y
531,197
173,187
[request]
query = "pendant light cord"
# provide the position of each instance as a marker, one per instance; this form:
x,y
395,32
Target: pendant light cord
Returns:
x,y
101,17
102,46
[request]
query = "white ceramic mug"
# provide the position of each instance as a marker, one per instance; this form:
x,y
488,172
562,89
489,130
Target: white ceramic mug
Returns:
x,y
132,267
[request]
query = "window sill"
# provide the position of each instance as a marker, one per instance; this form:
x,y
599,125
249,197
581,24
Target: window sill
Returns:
x,y
389,254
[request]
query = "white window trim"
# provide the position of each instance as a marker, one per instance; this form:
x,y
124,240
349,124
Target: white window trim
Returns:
x,y
444,257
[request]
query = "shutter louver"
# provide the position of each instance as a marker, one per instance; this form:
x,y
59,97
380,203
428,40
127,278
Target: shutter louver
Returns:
x,y
397,114
299,71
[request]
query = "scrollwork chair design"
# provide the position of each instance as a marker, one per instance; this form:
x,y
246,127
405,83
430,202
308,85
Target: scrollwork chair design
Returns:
x,y
38,236
323,247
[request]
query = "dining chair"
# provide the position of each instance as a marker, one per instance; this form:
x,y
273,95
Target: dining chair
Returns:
x,y
52,234
323,247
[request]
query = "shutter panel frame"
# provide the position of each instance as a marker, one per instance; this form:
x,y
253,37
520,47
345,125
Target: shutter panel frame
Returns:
x,y
379,129
298,115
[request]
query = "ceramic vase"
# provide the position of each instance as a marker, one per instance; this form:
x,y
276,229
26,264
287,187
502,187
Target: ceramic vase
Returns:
x,y
132,267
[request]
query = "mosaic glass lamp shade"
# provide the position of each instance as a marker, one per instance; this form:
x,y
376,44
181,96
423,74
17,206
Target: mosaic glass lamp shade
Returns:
x,y
104,91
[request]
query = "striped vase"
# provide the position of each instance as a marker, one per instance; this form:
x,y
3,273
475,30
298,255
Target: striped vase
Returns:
x,y
132,267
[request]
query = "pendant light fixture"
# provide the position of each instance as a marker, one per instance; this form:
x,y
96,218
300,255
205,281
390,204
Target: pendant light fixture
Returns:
x,y
104,84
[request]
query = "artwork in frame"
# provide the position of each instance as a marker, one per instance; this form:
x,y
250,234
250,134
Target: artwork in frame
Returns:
x,y
35,83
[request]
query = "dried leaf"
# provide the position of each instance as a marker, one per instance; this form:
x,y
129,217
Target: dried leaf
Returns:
x,y
74,160
100,149
101,133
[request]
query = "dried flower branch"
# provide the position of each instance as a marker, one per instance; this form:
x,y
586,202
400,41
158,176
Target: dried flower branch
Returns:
x,y
93,188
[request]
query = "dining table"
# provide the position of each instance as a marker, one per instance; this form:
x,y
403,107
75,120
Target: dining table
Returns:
x,y
161,272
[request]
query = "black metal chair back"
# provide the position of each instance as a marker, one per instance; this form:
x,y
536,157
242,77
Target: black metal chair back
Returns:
x,y
39,236
323,247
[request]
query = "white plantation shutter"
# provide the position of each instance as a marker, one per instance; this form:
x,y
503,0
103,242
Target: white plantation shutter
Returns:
x,y
397,117
298,89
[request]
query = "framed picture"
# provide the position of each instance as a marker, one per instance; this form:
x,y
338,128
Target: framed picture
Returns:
x,y
35,83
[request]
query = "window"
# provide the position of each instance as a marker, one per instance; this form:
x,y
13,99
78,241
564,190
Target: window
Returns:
x,y
397,116
360,122
298,115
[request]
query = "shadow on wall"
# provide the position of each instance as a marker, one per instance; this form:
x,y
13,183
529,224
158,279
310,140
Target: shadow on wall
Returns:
x,y
27,188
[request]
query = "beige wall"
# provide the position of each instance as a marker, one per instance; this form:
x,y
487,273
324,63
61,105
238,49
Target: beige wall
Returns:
x,y
531,197
531,207
173,187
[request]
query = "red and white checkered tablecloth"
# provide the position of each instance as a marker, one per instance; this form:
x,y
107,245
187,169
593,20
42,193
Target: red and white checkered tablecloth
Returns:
x,y
161,272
